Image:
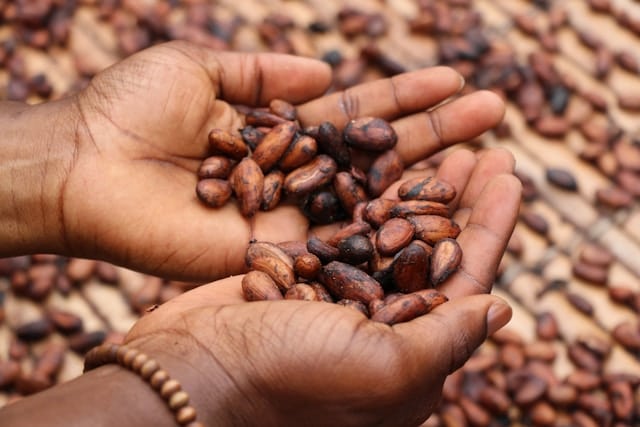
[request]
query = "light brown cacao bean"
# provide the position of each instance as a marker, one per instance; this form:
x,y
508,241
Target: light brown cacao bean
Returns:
x,y
282,108
247,182
259,286
301,291
223,142
445,259
307,266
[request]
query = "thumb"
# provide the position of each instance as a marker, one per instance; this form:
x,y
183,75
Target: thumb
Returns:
x,y
444,339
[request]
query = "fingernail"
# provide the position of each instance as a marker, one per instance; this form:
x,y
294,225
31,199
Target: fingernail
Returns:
x,y
498,315
462,82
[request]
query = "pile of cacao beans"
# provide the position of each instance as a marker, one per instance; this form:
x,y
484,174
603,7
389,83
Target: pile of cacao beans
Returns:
x,y
573,100
404,246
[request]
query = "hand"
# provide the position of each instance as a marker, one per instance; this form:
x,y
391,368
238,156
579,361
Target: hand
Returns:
x,y
313,363
128,196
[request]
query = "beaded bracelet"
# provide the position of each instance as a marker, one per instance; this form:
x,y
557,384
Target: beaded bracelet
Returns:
x,y
169,389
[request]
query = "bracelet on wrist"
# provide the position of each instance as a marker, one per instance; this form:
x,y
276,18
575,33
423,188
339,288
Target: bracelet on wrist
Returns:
x,y
150,371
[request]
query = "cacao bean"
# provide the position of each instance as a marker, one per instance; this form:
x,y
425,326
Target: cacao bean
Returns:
x,y
215,167
370,134
259,286
378,211
311,176
225,143
347,282
282,108
394,235
348,191
385,170
247,182
355,249
430,189
263,118
432,228
301,150
322,249
562,178
411,268
445,259
301,291
272,190
273,145
408,208
361,228
214,192
330,142
307,266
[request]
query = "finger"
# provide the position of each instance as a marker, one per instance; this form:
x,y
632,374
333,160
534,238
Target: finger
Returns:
x,y
386,98
456,169
221,292
444,339
424,134
490,163
485,236
254,79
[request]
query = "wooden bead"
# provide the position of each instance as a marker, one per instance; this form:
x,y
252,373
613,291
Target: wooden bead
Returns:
x,y
158,379
128,357
149,368
178,400
169,387
186,415
112,352
138,361
120,354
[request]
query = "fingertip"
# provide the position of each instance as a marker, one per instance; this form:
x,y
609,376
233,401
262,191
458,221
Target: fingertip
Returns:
x,y
498,315
494,103
505,183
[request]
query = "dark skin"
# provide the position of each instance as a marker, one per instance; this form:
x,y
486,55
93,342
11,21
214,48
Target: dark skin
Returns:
x,y
118,184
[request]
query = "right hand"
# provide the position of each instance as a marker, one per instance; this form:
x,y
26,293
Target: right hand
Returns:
x,y
313,363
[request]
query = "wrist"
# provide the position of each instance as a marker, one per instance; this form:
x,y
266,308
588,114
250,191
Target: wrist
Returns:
x,y
37,153
212,392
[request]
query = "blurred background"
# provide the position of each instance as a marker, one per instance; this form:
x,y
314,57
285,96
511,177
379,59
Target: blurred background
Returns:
x,y
569,72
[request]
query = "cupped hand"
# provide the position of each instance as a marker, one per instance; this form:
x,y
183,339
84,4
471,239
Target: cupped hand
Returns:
x,y
129,194
320,364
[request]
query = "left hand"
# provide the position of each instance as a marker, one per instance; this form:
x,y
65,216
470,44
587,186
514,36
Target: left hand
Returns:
x,y
129,194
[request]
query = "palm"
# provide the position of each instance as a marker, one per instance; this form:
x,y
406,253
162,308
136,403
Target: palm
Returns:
x,y
145,133
272,344
154,112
